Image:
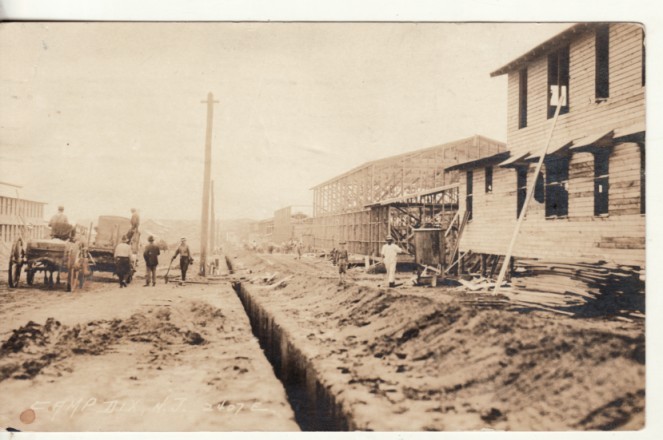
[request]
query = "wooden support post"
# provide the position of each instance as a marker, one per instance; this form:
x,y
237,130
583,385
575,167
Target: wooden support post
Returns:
x,y
530,191
212,232
483,265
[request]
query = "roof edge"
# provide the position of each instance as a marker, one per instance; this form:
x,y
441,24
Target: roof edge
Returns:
x,y
545,47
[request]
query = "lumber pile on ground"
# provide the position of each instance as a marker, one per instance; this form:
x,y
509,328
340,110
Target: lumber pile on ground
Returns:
x,y
572,288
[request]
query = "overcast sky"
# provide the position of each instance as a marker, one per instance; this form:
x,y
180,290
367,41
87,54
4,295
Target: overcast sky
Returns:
x,y
102,117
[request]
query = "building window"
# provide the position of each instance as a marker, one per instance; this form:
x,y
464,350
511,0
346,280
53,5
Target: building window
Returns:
x,y
602,71
558,81
521,184
522,98
468,197
557,180
601,183
489,179
642,180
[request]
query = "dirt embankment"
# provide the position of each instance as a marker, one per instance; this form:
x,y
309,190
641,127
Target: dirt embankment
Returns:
x,y
422,359
35,347
164,358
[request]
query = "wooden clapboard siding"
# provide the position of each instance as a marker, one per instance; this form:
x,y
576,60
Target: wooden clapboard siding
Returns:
x,y
618,236
624,107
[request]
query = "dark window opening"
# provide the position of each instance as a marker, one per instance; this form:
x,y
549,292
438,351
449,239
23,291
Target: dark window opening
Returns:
x,y
521,184
602,71
558,81
468,197
539,192
557,180
601,184
522,188
642,180
489,179
522,99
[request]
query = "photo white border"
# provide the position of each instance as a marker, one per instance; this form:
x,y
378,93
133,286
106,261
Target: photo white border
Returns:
x,y
643,11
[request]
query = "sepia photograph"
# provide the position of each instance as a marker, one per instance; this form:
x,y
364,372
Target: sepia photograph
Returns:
x,y
282,226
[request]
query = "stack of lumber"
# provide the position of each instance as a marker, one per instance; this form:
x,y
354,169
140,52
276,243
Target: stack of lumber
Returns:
x,y
570,288
578,288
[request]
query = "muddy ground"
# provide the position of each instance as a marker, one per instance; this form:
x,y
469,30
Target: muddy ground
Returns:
x,y
164,358
417,358
183,358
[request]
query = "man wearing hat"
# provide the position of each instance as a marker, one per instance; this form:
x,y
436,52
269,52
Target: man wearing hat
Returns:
x,y
151,255
390,252
185,257
123,260
59,224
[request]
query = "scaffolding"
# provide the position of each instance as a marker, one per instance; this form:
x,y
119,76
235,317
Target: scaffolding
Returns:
x,y
389,196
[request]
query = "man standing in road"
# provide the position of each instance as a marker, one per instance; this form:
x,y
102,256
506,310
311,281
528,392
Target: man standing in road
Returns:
x,y
185,257
151,255
390,252
122,260
135,222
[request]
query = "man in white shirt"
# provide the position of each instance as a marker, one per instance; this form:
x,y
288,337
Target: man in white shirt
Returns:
x,y
122,261
390,252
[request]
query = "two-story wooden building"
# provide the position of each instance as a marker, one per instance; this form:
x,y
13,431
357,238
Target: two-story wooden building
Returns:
x,y
589,201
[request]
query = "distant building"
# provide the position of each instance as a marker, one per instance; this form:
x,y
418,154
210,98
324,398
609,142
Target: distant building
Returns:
x,y
19,217
363,205
292,223
589,201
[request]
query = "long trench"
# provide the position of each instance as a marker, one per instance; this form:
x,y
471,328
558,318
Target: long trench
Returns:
x,y
315,408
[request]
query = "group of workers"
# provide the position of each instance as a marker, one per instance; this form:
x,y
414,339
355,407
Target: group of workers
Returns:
x,y
123,253
389,253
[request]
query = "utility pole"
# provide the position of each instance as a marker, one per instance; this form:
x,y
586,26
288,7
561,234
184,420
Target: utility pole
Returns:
x,y
204,227
212,233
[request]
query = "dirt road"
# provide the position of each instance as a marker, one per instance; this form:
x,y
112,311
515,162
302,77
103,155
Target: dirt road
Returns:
x,y
164,358
183,358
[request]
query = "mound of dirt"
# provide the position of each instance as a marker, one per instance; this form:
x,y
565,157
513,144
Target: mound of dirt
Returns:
x,y
432,360
33,347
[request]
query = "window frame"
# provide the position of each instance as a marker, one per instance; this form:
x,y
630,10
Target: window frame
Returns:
x,y
601,183
556,187
469,194
488,178
522,98
559,63
602,63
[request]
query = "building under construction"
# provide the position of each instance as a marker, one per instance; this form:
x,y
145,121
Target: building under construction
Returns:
x,y
393,196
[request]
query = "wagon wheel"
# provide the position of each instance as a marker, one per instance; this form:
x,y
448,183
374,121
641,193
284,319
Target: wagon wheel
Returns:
x,y
72,278
74,271
83,272
15,263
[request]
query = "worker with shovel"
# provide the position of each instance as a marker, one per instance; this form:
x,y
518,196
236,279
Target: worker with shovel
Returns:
x,y
185,257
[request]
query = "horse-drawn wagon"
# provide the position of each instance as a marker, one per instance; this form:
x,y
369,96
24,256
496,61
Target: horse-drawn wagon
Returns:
x,y
64,254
